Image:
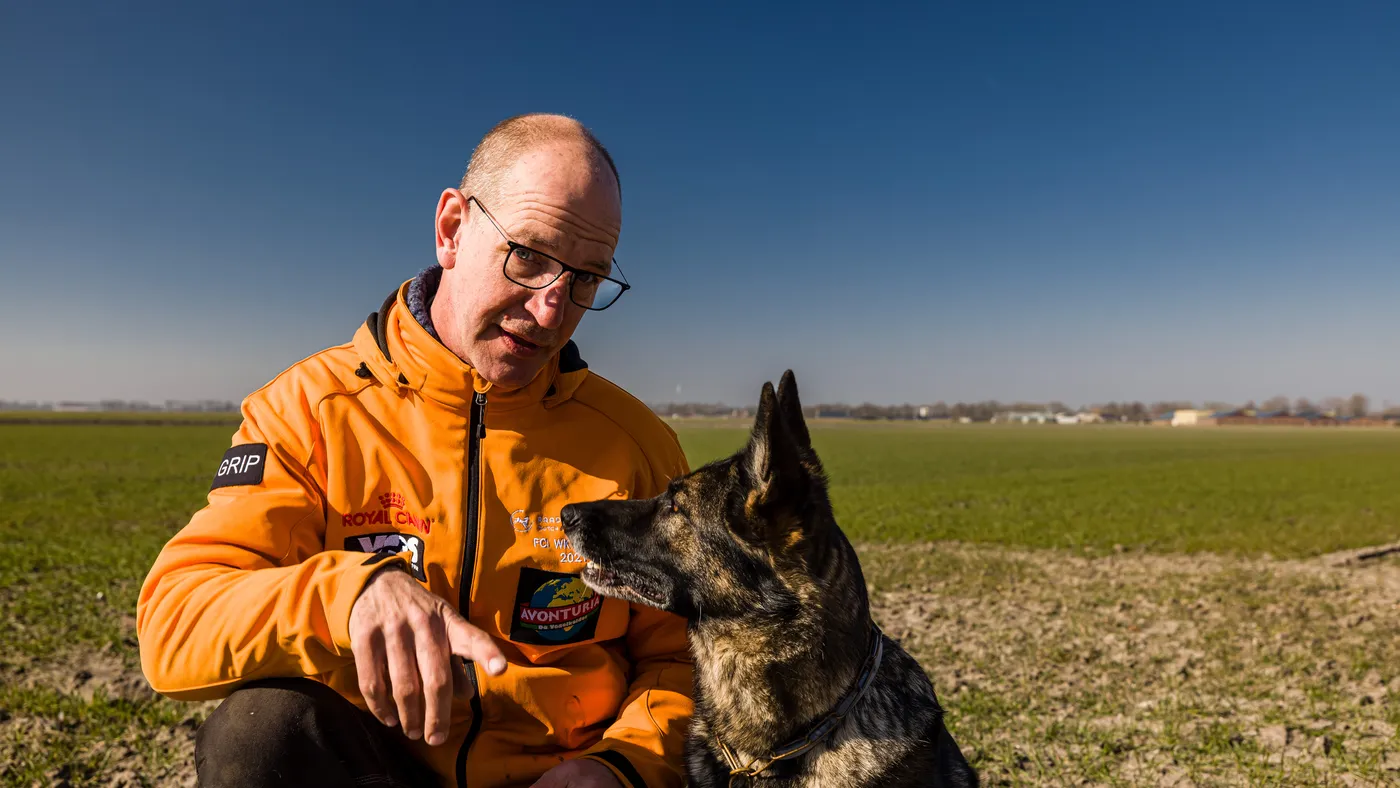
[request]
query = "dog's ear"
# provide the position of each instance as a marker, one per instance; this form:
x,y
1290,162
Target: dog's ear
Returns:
x,y
791,408
758,454
772,458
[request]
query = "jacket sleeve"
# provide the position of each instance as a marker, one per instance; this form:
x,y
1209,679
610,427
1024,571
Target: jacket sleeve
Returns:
x,y
645,746
246,590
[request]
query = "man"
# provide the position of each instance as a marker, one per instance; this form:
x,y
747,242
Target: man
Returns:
x,y
392,505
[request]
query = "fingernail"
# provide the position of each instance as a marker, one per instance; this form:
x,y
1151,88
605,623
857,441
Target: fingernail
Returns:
x,y
496,666
392,722
436,739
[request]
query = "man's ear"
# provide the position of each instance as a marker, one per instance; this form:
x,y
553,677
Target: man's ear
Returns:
x,y
451,214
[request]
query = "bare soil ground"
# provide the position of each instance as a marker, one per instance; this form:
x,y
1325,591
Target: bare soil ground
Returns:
x,y
1056,669
90,718
1135,669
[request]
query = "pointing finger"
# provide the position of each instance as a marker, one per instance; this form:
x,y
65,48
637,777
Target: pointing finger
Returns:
x,y
472,643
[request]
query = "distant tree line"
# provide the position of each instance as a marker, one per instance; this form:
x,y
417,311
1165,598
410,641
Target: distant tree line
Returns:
x,y
123,406
1357,406
697,409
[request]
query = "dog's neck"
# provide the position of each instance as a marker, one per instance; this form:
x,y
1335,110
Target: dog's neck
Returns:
x,y
765,678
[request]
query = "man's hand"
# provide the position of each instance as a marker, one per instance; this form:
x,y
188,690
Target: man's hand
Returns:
x,y
578,773
403,638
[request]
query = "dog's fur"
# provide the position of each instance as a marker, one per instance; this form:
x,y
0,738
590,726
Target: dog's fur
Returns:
x,y
748,551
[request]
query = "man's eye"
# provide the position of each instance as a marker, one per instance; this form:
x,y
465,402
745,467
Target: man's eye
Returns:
x,y
586,278
524,254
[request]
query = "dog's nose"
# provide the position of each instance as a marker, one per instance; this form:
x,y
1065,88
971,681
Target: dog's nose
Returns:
x,y
572,515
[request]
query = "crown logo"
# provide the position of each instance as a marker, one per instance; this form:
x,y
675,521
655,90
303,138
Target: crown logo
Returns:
x,y
391,500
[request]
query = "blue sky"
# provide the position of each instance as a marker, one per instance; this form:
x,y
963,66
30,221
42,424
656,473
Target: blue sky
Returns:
x,y
1037,201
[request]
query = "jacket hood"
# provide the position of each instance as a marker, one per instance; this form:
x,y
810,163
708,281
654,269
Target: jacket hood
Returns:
x,y
398,351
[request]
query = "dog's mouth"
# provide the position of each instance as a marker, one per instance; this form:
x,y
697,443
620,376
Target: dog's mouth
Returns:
x,y
632,586
594,573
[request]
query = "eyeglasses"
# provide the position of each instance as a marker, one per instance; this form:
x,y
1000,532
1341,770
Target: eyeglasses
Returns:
x,y
536,270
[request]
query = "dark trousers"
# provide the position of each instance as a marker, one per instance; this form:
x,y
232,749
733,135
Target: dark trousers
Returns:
x,y
299,732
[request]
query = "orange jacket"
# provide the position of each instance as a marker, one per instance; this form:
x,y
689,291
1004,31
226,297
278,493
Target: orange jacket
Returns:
x,y
392,446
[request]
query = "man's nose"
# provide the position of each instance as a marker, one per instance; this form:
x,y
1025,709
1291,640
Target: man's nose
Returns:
x,y
548,305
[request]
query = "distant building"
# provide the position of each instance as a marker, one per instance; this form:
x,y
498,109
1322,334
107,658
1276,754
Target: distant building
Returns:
x,y
1082,417
76,407
1277,418
1024,417
1187,417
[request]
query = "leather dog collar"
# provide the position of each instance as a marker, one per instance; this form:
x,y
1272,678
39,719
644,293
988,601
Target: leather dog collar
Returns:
x,y
819,732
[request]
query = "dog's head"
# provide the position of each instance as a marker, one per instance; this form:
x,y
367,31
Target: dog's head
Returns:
x,y
732,538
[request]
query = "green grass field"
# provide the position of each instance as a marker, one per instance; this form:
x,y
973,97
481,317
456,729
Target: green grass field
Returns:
x,y
85,509
1288,492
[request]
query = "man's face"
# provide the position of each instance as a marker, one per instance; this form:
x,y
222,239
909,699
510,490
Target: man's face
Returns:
x,y
553,201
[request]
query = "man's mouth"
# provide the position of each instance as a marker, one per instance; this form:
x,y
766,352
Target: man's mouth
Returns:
x,y
518,345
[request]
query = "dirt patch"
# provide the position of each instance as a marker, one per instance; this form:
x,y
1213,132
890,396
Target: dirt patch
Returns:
x,y
90,718
157,757
84,674
1148,669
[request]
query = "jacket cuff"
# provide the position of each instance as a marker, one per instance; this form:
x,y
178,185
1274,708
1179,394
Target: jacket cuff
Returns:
x,y
621,768
635,766
357,576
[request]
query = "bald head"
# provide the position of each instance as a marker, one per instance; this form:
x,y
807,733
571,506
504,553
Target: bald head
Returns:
x,y
513,137
545,189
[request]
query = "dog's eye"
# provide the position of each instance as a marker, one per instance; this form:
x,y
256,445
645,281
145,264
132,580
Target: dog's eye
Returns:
x,y
675,508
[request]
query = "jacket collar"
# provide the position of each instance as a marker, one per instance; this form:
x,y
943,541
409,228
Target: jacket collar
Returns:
x,y
398,351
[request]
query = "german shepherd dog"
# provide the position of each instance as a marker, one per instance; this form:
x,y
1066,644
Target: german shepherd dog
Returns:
x,y
794,684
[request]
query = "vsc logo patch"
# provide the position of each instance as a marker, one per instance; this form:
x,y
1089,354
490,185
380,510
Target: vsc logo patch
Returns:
x,y
553,608
391,543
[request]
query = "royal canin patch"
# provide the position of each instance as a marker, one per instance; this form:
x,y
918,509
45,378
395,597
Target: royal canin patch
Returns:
x,y
392,512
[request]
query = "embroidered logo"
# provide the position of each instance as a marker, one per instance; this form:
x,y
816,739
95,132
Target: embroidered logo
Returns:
x,y
242,465
553,608
388,516
522,522
391,543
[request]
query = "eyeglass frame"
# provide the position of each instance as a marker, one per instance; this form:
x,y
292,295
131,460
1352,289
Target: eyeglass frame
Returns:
x,y
564,268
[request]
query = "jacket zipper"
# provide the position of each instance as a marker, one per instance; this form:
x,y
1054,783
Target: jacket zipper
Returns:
x,y
477,426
